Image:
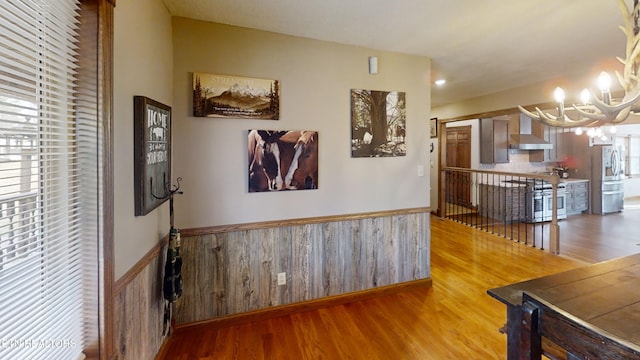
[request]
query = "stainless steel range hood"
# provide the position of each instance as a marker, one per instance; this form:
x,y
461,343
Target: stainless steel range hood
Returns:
x,y
525,140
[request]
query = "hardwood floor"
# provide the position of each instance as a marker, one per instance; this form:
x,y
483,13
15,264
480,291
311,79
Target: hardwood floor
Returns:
x,y
595,238
455,319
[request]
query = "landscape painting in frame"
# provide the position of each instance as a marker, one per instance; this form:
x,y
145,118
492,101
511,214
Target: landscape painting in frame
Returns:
x,y
378,123
282,160
235,97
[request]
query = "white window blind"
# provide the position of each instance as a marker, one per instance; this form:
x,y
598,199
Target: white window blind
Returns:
x,y
48,185
631,146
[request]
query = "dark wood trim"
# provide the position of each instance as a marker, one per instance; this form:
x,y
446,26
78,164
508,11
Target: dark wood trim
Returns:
x,y
96,62
276,311
164,348
301,221
442,138
130,275
104,99
550,178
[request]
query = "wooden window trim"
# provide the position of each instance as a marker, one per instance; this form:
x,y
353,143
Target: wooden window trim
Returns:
x,y
98,41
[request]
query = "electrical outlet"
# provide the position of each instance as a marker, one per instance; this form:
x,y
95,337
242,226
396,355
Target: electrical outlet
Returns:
x,y
282,278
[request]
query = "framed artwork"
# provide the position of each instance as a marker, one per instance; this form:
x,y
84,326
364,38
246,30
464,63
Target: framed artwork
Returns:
x,y
152,153
433,125
378,123
282,160
226,96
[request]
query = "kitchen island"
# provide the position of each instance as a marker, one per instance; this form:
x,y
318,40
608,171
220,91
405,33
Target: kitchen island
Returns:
x,y
503,201
527,200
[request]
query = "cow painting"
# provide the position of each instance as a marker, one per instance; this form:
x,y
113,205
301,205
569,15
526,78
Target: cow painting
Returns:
x,y
282,160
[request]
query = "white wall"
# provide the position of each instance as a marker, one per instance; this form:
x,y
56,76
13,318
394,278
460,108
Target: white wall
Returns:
x,y
316,77
631,184
541,92
143,65
533,94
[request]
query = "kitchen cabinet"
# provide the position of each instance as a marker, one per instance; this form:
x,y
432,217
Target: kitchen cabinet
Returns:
x,y
494,141
553,135
577,200
577,155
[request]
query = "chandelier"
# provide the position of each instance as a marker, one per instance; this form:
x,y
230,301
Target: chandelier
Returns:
x,y
594,112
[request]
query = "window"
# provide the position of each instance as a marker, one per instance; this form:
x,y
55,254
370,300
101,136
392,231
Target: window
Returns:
x,y
49,185
631,153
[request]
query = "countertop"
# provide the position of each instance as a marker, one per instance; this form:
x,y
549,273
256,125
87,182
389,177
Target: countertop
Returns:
x,y
572,180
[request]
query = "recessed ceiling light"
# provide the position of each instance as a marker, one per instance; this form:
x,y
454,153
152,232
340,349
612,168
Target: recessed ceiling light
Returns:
x,y
440,82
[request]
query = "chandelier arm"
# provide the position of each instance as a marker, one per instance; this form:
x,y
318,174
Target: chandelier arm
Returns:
x,y
633,45
546,116
627,83
569,123
563,122
539,115
622,116
613,110
627,29
633,53
528,113
589,115
633,97
626,14
627,79
556,121
632,49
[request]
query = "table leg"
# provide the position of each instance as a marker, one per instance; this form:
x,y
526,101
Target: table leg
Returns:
x,y
514,317
530,340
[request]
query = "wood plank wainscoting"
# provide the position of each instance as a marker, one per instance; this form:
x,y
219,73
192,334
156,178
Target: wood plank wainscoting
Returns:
x,y
139,307
231,270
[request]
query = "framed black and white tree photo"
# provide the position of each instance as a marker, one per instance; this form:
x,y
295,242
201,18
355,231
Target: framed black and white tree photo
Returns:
x,y
433,126
378,123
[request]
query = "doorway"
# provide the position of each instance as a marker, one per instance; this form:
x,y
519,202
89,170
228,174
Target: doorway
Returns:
x,y
458,154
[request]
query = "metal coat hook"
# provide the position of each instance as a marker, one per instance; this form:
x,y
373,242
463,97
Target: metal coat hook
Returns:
x,y
170,190
174,189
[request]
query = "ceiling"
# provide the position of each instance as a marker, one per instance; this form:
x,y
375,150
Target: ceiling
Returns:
x,y
479,46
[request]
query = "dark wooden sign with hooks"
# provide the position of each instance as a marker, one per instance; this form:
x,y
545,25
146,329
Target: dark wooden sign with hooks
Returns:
x,y
152,154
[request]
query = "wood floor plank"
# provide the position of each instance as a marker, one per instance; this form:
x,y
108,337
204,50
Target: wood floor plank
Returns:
x,y
359,339
455,319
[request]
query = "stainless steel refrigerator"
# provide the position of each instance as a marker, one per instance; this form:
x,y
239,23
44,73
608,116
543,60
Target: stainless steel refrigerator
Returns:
x,y
607,174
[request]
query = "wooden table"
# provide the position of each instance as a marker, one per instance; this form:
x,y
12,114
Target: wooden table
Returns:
x,y
592,312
